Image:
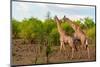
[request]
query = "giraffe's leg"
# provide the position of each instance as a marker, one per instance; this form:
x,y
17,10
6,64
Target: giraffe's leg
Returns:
x,y
72,53
80,51
81,47
85,46
88,51
61,45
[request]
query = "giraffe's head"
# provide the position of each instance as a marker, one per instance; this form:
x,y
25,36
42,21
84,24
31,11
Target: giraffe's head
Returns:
x,y
57,20
70,22
65,18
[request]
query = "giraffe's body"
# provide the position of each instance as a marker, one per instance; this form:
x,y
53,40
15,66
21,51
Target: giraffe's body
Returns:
x,y
64,38
79,34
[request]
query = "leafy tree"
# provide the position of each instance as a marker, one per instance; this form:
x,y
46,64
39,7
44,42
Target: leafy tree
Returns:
x,y
48,51
29,29
54,35
89,23
79,22
48,15
91,33
67,28
41,32
15,28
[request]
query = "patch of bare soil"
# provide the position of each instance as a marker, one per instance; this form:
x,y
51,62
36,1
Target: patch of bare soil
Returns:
x,y
23,54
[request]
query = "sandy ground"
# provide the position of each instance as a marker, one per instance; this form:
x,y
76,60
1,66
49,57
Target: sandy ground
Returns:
x,y
23,54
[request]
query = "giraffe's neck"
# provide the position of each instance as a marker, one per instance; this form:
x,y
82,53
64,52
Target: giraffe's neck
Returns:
x,y
77,30
75,27
71,23
60,30
80,33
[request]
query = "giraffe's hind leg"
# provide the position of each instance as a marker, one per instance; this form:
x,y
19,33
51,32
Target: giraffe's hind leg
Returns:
x,y
72,56
80,51
88,51
85,46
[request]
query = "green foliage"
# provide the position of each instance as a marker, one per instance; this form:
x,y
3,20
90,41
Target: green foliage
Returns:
x,y
89,23
79,22
45,32
15,28
54,35
91,32
88,26
67,28
48,49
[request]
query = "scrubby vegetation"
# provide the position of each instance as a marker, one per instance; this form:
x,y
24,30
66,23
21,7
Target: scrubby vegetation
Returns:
x,y
35,30
44,34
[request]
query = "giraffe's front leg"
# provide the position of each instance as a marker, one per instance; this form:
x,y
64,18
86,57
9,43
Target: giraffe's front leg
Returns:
x,y
72,53
61,45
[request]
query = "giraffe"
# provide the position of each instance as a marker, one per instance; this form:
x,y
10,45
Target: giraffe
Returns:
x,y
79,34
64,38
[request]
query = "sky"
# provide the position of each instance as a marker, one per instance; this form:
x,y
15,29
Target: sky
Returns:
x,y
21,10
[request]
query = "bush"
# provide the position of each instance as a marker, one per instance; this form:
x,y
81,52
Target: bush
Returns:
x,y
41,32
